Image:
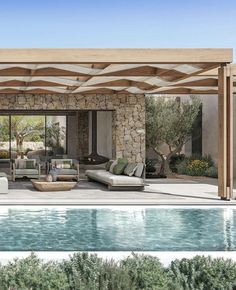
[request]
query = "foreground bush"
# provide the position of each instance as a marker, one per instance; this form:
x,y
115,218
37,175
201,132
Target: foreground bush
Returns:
x,y
203,273
31,273
146,272
137,272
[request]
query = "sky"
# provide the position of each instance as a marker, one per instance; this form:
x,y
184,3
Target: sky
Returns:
x,y
118,23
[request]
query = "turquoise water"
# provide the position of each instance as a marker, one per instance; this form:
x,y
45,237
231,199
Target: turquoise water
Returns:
x,y
117,229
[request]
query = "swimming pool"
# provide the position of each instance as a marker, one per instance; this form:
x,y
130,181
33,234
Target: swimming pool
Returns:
x,y
117,228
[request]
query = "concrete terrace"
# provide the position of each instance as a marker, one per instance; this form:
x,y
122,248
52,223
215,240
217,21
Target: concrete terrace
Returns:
x,y
174,191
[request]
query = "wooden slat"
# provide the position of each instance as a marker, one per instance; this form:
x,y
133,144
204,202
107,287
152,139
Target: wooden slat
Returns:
x,y
116,56
225,133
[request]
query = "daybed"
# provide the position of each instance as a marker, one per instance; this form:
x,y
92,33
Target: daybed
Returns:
x,y
118,181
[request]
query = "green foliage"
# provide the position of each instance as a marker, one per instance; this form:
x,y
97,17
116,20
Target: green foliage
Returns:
x,y
207,158
197,165
169,122
212,172
202,273
88,272
30,273
55,135
4,154
175,160
146,272
150,165
83,271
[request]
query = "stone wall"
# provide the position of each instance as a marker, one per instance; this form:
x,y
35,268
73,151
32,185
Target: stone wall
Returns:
x,y
128,117
83,130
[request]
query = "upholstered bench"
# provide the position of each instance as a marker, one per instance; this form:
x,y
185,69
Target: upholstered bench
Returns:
x,y
3,183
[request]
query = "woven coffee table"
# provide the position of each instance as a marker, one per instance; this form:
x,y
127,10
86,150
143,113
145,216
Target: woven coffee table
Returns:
x,y
43,185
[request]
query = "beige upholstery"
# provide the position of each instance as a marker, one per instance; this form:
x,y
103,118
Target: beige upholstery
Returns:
x,y
115,180
65,173
19,170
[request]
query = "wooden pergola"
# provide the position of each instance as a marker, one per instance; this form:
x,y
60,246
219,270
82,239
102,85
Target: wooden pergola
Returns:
x,y
130,71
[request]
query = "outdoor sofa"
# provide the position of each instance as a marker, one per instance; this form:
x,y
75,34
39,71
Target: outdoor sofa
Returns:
x,y
124,180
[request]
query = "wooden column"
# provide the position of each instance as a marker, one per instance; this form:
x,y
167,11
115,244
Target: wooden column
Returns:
x,y
225,133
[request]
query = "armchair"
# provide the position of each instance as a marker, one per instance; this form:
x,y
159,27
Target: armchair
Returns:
x,y
67,169
30,168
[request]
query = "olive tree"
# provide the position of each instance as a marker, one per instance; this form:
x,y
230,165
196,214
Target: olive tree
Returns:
x,y
169,122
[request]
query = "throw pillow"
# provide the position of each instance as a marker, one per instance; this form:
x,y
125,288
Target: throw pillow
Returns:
x,y
130,169
21,164
123,160
139,170
108,165
66,165
120,166
29,164
113,165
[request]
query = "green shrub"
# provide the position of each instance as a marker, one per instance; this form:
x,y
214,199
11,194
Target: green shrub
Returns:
x,y
175,160
146,272
88,272
197,165
30,273
207,158
197,168
202,273
212,172
4,154
83,271
114,277
150,165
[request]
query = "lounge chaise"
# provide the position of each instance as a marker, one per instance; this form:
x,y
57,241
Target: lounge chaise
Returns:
x,y
119,181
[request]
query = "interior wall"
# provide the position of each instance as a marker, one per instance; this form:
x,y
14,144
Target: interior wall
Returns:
x,y
104,133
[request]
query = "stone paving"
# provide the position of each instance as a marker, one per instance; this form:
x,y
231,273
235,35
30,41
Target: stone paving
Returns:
x,y
157,192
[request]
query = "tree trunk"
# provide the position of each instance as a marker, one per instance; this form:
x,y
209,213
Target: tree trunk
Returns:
x,y
19,143
165,161
165,168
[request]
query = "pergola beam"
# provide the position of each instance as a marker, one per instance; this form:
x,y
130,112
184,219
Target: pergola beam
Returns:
x,y
115,56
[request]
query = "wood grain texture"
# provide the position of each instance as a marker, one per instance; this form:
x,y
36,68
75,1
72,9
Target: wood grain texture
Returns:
x,y
118,55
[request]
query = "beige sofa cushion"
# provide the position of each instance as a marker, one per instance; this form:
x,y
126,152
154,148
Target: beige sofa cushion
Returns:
x,y
67,172
26,172
114,180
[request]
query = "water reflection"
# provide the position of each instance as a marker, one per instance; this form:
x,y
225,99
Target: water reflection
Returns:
x,y
163,229
228,228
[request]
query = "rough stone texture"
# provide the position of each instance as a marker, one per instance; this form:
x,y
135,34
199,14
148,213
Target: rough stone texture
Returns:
x,y
83,130
128,116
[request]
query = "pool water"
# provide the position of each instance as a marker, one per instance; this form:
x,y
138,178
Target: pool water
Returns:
x,y
117,229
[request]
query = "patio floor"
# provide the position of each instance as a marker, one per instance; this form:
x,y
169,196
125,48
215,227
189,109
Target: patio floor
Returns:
x,y
157,192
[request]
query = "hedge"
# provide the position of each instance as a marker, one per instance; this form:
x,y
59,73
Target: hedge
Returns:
x,y
88,272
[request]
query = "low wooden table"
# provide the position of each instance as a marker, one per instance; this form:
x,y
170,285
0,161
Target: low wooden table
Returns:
x,y
43,185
